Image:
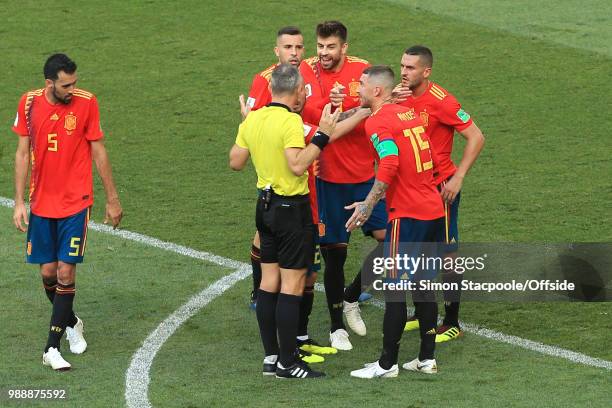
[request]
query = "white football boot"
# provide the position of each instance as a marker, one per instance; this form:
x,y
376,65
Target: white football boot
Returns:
x,y
340,340
425,366
374,370
353,318
75,337
54,359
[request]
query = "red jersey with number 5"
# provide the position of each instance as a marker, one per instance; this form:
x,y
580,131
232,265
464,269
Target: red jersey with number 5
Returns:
x,y
395,131
61,181
442,115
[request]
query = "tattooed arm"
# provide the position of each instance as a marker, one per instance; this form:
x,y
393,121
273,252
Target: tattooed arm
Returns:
x,y
363,209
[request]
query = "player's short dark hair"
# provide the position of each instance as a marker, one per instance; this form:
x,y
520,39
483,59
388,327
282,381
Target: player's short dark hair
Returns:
x,y
381,74
289,30
57,63
285,79
423,52
334,28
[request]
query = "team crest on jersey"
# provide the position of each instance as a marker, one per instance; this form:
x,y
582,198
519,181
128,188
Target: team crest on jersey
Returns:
x,y
308,88
70,122
354,89
425,118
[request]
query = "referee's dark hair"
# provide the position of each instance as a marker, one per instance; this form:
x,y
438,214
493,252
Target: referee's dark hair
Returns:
x,y
335,28
423,52
289,30
57,63
285,79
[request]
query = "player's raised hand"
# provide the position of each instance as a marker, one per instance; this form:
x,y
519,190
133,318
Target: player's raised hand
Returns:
x,y
400,93
328,121
244,108
114,213
20,217
360,215
337,95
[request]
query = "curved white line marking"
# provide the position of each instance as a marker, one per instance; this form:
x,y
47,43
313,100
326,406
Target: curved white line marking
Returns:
x,y
137,376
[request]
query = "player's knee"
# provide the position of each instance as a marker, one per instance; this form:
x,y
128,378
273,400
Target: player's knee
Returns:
x,y
66,273
49,271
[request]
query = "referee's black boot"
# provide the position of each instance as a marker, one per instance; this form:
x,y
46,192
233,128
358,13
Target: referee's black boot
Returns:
x,y
297,370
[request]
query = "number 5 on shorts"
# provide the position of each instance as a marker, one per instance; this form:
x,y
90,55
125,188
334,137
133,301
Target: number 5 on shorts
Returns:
x,y
75,244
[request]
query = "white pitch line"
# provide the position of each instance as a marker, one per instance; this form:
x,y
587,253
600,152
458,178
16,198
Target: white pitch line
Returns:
x,y
138,376
515,341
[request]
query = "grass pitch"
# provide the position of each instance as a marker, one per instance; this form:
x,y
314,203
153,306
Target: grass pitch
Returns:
x,y
167,76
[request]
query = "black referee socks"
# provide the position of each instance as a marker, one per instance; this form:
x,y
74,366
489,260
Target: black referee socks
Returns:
x,y
266,318
287,312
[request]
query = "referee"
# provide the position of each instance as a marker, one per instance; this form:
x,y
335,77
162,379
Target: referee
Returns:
x,y
274,137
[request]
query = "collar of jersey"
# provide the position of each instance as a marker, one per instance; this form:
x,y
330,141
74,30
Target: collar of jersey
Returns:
x,y
279,105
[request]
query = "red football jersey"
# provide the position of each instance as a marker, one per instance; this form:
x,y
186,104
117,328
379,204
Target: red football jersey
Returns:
x,y
411,192
442,115
259,95
349,159
309,131
61,182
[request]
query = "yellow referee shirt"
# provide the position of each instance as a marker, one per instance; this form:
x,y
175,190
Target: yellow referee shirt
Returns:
x,y
267,132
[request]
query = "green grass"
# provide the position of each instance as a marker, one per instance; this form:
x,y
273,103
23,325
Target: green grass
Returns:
x,y
167,76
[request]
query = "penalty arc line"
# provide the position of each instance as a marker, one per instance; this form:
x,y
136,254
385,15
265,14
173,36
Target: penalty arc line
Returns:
x,y
137,376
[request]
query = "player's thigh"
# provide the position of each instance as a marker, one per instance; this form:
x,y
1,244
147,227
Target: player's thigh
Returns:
x,y
417,244
72,237
331,199
42,240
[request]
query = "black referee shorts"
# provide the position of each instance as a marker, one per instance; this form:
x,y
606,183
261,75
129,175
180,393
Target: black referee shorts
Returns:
x,y
286,231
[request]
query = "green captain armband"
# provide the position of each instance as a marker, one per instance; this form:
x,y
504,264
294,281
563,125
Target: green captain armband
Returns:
x,y
384,148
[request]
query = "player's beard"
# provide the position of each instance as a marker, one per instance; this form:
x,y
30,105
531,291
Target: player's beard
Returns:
x,y
333,63
65,100
412,85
